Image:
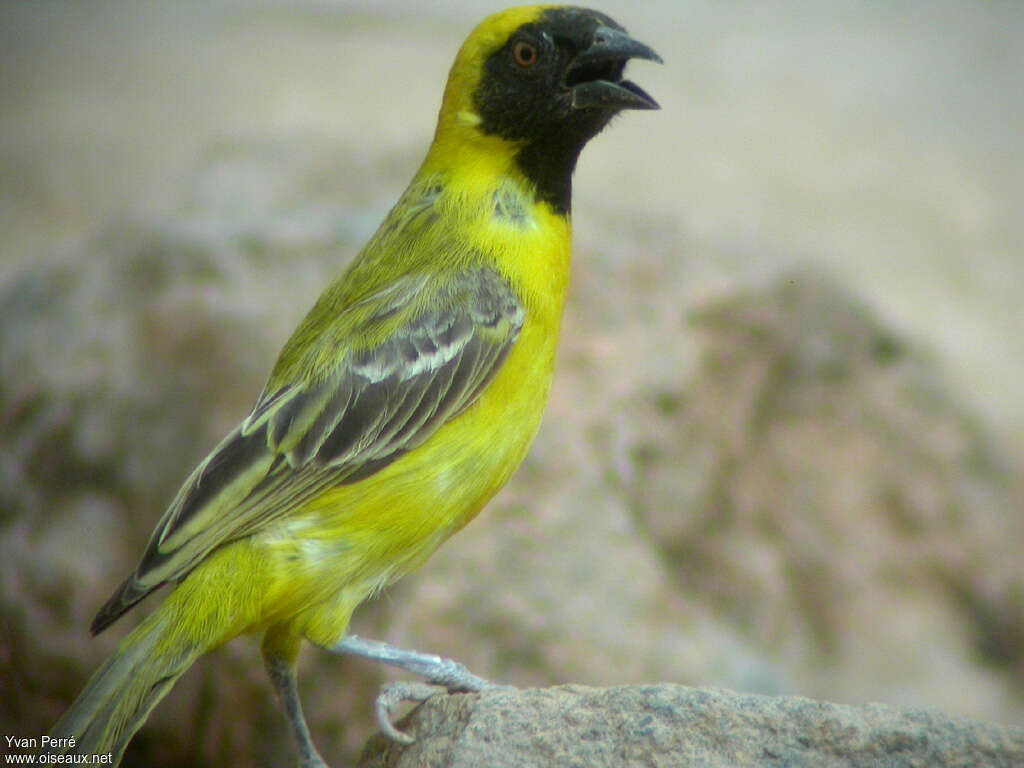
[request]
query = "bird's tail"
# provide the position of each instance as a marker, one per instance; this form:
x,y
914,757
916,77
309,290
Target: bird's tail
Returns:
x,y
121,694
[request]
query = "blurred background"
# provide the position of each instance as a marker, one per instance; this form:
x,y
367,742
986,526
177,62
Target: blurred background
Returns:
x,y
783,451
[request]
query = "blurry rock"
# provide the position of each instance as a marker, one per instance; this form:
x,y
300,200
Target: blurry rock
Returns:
x,y
820,487
121,366
667,725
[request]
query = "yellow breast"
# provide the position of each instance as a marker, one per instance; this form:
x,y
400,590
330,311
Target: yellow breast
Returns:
x,y
358,537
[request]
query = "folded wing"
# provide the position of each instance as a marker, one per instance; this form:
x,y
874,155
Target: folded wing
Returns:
x,y
377,404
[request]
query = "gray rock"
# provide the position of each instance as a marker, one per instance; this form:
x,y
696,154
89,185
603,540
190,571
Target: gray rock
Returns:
x,y
671,725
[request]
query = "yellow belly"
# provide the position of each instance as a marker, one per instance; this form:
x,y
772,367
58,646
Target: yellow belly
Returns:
x,y
307,572
355,539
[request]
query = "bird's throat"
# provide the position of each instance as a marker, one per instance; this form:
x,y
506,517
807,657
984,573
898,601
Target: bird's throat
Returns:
x,y
549,167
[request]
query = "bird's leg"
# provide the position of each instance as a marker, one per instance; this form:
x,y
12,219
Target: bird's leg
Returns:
x,y
282,675
437,669
441,673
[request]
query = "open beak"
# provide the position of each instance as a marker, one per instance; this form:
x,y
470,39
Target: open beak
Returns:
x,y
594,77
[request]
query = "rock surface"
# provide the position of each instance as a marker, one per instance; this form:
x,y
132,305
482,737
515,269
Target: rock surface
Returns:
x,y
657,726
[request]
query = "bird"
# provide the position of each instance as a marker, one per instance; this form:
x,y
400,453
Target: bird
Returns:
x,y
400,405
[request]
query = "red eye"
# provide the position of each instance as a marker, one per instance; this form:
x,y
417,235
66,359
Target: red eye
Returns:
x,y
525,54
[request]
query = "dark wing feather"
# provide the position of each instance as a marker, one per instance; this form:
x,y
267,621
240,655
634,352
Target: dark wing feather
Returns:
x,y
377,405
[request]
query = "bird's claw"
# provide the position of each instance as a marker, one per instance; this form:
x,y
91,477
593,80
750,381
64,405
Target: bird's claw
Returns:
x,y
392,695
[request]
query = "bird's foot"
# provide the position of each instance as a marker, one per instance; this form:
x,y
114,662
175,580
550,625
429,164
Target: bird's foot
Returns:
x,y
442,675
392,695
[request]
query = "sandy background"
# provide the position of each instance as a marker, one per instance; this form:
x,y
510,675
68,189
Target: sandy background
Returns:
x,y
877,144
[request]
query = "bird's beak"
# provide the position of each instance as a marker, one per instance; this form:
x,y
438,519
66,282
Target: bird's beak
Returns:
x,y
594,76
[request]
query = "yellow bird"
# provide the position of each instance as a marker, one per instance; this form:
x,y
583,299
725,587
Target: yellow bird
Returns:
x,y
400,405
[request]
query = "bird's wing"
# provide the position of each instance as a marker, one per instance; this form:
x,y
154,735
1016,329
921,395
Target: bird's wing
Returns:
x,y
373,407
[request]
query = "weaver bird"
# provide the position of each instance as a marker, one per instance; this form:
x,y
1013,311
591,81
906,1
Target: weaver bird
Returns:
x,y
400,405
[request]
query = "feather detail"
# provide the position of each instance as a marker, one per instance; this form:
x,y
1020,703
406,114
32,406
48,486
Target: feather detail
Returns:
x,y
378,404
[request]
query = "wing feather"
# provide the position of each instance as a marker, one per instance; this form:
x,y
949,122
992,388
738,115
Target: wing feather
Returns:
x,y
375,406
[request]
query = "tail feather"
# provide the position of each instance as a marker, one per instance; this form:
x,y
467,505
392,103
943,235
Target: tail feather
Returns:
x,y
120,695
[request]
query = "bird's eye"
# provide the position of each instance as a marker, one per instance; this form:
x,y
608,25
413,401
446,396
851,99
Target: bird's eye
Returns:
x,y
525,54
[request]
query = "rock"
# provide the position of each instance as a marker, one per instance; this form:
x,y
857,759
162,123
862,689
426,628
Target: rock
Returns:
x,y
672,726
819,483
121,365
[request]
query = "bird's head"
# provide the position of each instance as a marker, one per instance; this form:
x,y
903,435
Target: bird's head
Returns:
x,y
541,81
